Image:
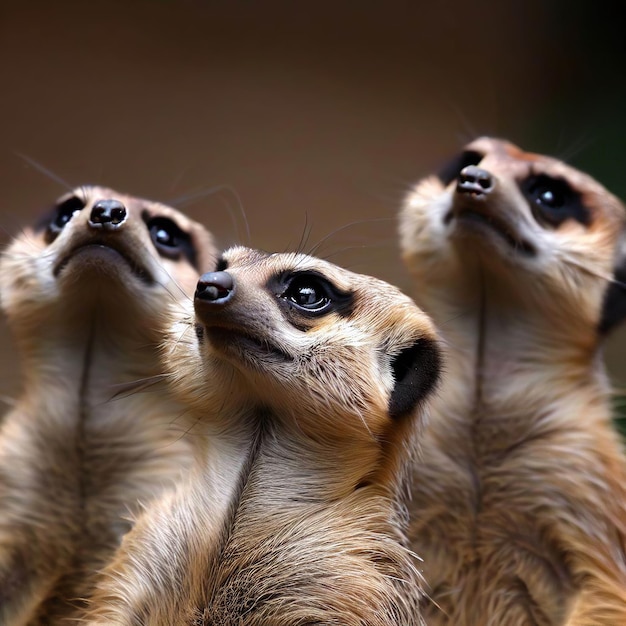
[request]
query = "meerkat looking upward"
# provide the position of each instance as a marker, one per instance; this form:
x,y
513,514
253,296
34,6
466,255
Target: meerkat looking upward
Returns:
x,y
519,502
310,382
85,295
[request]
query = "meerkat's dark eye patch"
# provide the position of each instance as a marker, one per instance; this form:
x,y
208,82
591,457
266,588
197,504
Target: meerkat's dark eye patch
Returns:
x,y
553,201
416,371
169,239
312,294
61,214
452,169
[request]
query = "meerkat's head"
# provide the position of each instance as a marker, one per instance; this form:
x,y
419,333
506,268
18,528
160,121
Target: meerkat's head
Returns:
x,y
341,354
547,231
99,248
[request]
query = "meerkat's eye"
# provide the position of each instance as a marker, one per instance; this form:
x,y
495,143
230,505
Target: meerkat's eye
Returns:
x,y
63,213
308,292
451,170
169,239
554,201
164,233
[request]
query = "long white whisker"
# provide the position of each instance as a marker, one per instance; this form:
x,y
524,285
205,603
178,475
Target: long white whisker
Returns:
x,y
44,170
591,272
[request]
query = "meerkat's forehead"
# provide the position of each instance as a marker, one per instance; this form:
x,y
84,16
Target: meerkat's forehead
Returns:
x,y
92,193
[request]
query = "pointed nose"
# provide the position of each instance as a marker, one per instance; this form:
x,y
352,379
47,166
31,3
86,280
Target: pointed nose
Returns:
x,y
107,214
215,288
475,180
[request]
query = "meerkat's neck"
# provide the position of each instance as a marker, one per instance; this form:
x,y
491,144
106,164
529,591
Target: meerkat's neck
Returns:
x,y
304,509
264,522
280,463
87,353
104,449
512,373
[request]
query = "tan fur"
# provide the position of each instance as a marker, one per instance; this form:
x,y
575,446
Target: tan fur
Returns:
x,y
79,454
519,503
294,518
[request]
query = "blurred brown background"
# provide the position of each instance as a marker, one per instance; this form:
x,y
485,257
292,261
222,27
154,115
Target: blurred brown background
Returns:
x,y
313,115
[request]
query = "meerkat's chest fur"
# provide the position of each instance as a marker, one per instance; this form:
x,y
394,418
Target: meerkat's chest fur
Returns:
x,y
514,459
312,560
287,555
77,464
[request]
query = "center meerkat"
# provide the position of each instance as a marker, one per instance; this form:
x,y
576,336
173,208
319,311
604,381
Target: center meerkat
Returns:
x,y
85,294
519,503
310,383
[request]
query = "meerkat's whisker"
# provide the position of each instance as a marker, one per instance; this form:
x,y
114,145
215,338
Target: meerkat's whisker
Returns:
x,y
192,197
44,170
124,390
315,249
304,237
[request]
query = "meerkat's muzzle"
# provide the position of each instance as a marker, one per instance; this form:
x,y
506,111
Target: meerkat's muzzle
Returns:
x,y
107,215
475,181
216,288
102,237
476,208
234,326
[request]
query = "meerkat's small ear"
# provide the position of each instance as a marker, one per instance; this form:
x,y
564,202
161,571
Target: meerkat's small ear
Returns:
x,y
416,371
614,306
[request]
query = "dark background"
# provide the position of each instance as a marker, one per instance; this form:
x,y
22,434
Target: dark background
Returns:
x,y
311,115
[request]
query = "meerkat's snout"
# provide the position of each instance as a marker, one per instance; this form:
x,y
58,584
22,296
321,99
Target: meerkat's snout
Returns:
x,y
216,288
475,181
479,209
107,215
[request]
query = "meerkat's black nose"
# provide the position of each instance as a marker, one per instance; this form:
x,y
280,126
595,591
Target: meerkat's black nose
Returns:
x,y
215,287
474,180
107,214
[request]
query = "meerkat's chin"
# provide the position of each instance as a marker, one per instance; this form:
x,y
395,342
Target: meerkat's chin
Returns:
x,y
102,258
242,346
475,220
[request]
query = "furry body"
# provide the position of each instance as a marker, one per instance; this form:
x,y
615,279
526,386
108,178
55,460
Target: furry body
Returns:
x,y
519,503
293,516
86,303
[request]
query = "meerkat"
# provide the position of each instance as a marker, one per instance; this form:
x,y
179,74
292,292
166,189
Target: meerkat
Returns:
x,y
519,503
85,294
310,382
